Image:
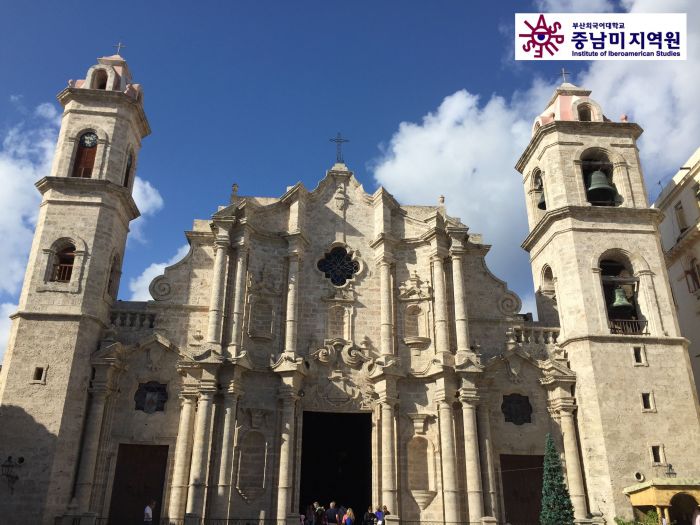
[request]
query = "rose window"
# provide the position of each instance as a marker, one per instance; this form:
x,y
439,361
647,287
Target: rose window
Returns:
x,y
338,266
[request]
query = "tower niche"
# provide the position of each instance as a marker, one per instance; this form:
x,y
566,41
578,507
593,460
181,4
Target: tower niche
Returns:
x,y
69,288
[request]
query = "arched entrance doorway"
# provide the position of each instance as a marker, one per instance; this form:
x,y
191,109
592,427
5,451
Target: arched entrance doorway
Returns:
x,y
683,507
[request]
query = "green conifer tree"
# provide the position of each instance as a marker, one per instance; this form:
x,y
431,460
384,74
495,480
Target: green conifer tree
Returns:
x,y
556,503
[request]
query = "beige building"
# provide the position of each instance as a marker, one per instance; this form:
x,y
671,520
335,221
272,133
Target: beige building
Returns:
x,y
334,344
680,240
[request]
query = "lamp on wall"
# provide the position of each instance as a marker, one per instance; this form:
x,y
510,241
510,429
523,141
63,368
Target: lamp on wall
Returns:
x,y
8,471
670,473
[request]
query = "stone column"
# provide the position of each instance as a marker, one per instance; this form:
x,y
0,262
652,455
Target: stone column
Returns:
x,y
234,342
571,455
484,431
91,443
388,457
200,451
386,319
442,341
449,462
471,456
290,339
460,299
223,486
652,304
181,468
216,303
286,458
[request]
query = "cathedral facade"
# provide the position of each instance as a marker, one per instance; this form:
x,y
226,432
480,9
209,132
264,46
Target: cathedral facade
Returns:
x,y
332,344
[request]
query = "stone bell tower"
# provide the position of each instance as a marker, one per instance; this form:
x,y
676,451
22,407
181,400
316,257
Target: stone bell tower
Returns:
x,y
69,287
599,273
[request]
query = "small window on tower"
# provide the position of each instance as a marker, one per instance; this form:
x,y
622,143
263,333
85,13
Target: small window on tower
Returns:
x,y
63,265
85,156
113,280
656,455
127,171
639,356
647,402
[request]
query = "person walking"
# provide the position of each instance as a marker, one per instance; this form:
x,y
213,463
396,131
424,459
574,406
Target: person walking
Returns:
x,y
148,512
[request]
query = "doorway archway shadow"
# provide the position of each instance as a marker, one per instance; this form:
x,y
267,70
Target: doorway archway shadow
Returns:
x,y
336,460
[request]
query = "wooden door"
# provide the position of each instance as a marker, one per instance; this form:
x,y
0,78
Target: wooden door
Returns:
x,y
138,478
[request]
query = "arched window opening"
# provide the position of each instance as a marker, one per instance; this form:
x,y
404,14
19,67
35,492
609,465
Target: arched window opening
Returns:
x,y
85,156
597,179
584,113
539,191
548,284
113,282
99,79
546,299
621,289
63,263
127,171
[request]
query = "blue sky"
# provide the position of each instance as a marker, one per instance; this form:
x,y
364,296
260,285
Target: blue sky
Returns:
x,y
250,92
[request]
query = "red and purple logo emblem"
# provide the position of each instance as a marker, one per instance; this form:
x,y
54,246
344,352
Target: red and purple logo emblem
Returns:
x,y
542,37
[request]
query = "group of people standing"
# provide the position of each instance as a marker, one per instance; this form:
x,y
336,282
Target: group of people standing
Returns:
x,y
339,515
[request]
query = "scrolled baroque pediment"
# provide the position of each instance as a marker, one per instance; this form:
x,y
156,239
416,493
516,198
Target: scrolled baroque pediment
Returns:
x,y
339,377
415,289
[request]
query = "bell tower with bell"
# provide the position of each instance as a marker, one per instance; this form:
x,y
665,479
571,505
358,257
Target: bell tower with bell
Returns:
x,y
69,288
599,274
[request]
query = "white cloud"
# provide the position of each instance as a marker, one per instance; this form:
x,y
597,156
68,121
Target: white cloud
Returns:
x,y
466,151
49,112
467,148
25,157
138,286
5,310
149,201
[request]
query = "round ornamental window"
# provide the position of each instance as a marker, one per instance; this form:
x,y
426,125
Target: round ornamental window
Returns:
x,y
88,140
338,266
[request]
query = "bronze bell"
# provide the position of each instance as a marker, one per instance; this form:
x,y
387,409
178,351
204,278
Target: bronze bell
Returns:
x,y
599,189
541,204
621,304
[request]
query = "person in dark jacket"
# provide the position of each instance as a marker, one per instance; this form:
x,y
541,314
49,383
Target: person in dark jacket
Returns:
x,y
332,514
369,518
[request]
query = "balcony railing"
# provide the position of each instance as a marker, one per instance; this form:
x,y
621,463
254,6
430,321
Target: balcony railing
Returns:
x,y
133,320
628,326
61,273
